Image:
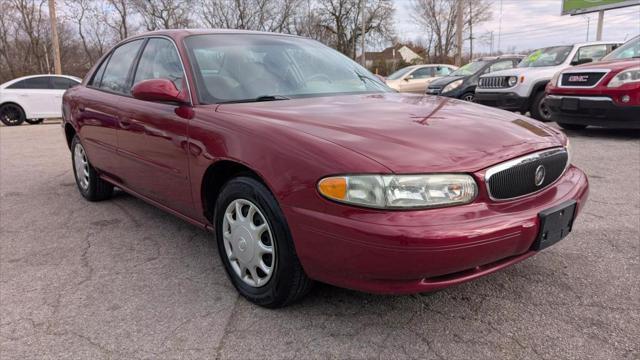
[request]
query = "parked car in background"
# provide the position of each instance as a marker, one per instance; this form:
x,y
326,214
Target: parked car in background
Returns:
x,y
461,83
33,98
605,93
307,167
415,78
522,88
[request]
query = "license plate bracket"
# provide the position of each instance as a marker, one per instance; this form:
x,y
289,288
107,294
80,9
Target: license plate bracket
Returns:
x,y
570,104
555,224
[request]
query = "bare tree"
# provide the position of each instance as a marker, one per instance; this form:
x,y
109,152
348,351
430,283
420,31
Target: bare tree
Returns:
x,y
263,15
92,33
438,17
164,14
120,20
340,20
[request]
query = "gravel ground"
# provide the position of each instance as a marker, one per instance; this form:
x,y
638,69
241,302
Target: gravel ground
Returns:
x,y
122,279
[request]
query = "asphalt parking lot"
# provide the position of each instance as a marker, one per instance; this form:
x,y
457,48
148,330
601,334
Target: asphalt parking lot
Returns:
x,y
122,279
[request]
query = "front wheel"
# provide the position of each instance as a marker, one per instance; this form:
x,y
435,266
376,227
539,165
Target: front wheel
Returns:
x,y
539,109
255,245
11,114
468,96
34,121
91,186
572,126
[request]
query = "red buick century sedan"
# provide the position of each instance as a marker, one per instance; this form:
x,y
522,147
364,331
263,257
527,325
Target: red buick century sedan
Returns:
x,y
307,167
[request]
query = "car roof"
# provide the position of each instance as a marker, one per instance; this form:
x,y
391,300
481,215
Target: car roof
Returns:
x,y
10,82
175,33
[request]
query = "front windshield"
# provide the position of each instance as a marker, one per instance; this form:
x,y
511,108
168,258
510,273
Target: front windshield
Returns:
x,y
231,68
631,49
469,69
400,73
550,56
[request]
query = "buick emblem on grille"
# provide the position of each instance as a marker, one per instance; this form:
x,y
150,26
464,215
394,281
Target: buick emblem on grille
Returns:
x,y
579,78
539,175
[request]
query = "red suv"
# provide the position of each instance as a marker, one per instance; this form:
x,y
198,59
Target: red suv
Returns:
x,y
604,93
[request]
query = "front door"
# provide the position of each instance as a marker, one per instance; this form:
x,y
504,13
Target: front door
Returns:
x,y
153,138
418,80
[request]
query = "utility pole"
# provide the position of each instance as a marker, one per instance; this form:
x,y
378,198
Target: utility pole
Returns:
x,y
499,29
364,29
600,21
54,37
588,23
470,30
459,26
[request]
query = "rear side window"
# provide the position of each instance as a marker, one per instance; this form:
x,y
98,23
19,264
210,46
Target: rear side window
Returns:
x,y
160,60
97,77
41,82
501,65
443,71
116,73
60,83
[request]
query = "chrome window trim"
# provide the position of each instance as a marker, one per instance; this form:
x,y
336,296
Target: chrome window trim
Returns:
x,y
604,73
519,161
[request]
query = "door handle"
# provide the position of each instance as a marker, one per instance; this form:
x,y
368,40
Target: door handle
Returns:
x,y
125,124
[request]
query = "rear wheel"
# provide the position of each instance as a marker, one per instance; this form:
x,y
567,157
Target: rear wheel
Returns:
x,y
91,186
34,121
255,245
572,126
539,110
11,114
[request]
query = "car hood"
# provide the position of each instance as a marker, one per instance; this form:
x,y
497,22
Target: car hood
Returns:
x,y
615,65
409,133
444,81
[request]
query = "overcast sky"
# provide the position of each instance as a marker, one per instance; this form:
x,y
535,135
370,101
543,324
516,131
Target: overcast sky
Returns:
x,y
530,24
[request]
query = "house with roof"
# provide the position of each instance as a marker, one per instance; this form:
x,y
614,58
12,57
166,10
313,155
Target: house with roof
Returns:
x,y
395,54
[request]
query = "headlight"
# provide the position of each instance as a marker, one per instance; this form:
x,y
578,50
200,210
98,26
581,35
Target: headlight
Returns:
x,y
400,191
624,77
452,85
554,79
512,81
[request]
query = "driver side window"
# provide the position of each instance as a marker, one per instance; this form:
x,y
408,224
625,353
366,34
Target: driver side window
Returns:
x,y
160,60
422,73
593,52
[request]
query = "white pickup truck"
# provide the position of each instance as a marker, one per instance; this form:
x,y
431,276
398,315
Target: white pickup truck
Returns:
x,y
522,88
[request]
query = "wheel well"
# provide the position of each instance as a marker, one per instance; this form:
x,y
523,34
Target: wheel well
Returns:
x,y
14,103
216,176
69,132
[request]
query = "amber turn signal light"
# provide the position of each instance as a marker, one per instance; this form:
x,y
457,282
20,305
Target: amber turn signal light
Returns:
x,y
333,187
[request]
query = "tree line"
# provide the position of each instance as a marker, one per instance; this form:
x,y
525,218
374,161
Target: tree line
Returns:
x,y
88,28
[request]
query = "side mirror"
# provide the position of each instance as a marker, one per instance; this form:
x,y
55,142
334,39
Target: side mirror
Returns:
x,y
582,61
161,90
408,77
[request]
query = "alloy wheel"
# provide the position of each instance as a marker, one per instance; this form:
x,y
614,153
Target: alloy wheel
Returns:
x,y
11,115
544,110
468,97
82,166
248,243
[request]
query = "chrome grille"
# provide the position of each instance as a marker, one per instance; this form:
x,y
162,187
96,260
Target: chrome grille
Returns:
x,y
493,82
517,177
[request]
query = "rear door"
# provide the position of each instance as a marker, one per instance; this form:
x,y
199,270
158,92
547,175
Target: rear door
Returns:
x,y
103,103
34,94
58,85
152,136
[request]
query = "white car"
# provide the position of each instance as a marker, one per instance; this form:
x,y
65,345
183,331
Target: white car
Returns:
x,y
416,78
33,98
522,88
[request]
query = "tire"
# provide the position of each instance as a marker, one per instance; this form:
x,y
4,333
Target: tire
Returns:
x,y
34,121
572,126
539,110
241,246
90,185
11,114
468,96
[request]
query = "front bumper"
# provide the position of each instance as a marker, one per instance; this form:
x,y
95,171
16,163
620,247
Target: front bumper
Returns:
x,y
455,93
595,110
503,100
417,251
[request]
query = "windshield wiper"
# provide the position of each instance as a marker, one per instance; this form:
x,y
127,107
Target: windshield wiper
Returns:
x,y
257,99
